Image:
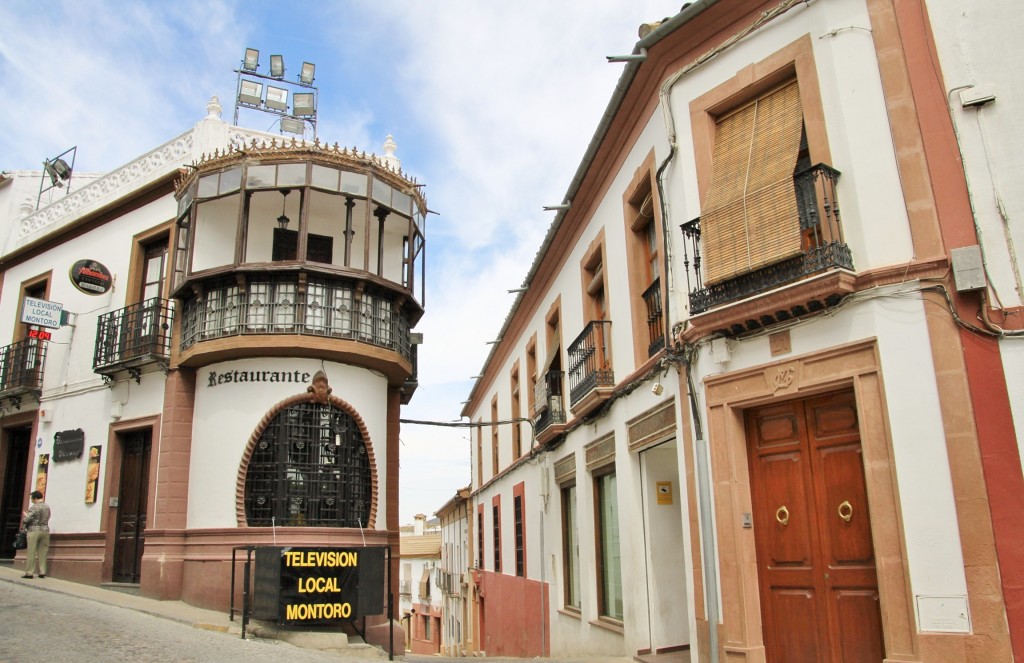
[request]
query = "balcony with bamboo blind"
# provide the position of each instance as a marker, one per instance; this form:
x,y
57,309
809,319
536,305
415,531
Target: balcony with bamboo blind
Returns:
x,y
798,264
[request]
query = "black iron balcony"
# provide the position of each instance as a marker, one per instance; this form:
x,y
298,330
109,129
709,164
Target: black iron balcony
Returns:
x,y
589,360
550,408
655,325
818,208
291,304
133,336
21,367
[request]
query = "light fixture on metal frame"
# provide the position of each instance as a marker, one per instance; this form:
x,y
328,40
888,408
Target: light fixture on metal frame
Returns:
x,y
276,66
251,61
303,104
283,220
58,170
277,98
250,92
306,73
293,125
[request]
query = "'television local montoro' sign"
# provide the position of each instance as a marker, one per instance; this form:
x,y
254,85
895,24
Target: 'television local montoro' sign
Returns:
x,y
317,586
41,313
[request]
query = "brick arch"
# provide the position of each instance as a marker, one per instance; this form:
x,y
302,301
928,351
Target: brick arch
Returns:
x,y
243,466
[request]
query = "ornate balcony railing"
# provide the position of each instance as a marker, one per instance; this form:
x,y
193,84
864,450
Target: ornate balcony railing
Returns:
x,y
133,336
405,587
283,304
550,408
589,361
21,367
655,325
818,208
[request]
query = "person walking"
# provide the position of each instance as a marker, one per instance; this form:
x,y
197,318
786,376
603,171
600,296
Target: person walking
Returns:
x,y
36,522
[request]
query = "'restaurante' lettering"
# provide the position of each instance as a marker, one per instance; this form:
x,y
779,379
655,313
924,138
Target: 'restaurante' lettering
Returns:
x,y
228,377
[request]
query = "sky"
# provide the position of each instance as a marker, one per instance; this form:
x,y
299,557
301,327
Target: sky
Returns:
x,y
491,104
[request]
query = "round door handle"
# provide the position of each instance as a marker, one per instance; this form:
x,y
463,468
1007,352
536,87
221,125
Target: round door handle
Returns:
x,y
782,515
846,511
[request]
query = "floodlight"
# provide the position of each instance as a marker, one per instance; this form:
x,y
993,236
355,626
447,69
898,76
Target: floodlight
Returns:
x,y
277,98
293,125
303,104
251,92
276,66
252,60
306,75
58,170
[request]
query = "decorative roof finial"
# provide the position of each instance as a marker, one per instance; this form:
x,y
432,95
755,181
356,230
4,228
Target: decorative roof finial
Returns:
x,y
213,107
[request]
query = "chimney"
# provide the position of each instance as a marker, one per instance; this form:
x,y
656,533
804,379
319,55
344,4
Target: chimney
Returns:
x,y
417,528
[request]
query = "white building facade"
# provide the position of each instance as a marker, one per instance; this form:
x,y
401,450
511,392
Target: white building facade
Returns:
x,y
236,351
759,421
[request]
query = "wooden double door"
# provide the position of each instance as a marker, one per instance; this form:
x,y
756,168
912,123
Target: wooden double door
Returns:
x,y
815,559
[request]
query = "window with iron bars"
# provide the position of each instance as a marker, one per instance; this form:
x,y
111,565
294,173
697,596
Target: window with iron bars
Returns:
x,y
309,468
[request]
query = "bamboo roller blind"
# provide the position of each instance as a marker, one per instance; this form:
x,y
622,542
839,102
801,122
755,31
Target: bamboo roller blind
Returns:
x,y
750,218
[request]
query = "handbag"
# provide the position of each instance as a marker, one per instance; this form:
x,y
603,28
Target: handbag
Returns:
x,y
21,540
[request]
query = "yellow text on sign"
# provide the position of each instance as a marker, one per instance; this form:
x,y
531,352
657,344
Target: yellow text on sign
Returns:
x,y
302,611
318,585
321,558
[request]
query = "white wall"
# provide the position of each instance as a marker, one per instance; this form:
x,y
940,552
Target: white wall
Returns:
x,y
227,414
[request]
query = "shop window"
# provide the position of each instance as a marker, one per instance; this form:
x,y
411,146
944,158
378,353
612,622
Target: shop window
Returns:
x,y
309,468
570,548
609,561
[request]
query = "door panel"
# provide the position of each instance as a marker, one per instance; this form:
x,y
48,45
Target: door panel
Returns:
x,y
819,591
18,442
132,505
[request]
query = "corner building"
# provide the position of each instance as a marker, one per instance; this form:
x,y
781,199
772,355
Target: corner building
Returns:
x,y
239,384
770,418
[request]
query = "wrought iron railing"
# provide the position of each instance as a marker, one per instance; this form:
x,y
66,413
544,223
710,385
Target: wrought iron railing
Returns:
x,y
550,409
279,304
405,587
133,335
21,367
655,324
818,209
590,365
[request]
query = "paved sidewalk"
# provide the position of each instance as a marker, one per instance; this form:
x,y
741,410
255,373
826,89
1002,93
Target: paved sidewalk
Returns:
x,y
178,611
211,620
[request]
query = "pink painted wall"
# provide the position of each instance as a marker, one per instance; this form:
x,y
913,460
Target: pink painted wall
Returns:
x,y
515,616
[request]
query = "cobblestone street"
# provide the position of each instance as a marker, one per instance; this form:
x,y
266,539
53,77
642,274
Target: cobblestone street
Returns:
x,y
48,626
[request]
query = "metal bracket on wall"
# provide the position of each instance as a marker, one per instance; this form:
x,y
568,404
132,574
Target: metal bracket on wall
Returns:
x,y
135,374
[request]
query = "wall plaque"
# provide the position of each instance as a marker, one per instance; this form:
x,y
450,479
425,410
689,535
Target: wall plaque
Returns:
x,y
68,444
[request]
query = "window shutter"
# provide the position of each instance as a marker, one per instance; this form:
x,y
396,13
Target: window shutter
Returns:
x,y
750,218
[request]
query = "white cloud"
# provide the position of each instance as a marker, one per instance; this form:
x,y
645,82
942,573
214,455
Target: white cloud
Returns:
x,y
492,105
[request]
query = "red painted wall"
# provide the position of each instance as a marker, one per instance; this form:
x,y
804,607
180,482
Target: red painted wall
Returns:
x,y
515,616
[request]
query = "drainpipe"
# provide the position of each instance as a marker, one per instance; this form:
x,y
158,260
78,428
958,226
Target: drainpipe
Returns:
x,y
707,531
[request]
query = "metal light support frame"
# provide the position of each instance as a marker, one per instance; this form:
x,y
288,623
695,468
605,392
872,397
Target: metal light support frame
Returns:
x,y
59,172
290,122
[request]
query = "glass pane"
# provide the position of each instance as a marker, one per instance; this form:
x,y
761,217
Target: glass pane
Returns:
x,y
325,178
291,174
402,202
230,180
611,564
257,177
186,200
381,192
354,183
208,186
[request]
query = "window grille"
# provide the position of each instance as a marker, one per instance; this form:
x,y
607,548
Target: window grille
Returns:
x,y
309,468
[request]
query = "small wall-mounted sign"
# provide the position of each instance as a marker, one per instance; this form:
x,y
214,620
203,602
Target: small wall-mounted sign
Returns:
x,y
91,277
68,444
664,492
41,313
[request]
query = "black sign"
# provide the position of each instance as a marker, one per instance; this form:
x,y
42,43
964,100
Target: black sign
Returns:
x,y
318,586
68,444
91,277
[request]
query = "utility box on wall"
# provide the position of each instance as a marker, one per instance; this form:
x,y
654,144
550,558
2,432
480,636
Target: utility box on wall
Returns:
x,y
317,586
